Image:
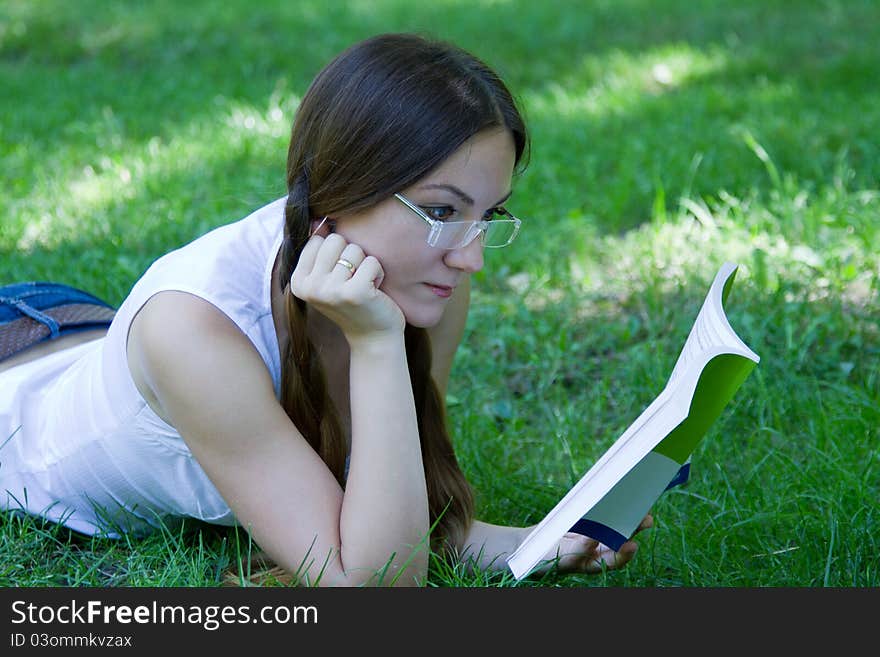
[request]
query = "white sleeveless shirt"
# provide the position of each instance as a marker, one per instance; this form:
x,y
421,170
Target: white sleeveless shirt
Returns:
x,y
78,443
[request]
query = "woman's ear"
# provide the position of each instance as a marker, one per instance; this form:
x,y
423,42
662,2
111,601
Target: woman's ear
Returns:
x,y
323,226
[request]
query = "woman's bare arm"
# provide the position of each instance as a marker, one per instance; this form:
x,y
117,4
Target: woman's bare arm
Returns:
x,y
210,383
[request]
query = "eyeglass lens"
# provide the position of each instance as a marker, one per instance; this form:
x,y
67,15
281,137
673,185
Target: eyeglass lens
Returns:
x,y
460,233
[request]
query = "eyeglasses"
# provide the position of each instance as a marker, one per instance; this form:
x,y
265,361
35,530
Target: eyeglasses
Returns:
x,y
494,233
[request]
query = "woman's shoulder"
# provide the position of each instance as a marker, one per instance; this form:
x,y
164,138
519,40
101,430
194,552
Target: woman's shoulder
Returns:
x,y
179,339
174,323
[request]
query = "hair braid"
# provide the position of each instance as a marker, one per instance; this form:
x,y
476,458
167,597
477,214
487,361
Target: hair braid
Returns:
x,y
304,393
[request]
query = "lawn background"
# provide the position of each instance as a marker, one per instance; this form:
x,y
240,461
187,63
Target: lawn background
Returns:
x,y
667,138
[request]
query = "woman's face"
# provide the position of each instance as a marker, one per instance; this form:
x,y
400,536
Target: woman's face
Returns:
x,y
420,278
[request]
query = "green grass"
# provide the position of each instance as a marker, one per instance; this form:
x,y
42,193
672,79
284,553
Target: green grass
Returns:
x,y
667,137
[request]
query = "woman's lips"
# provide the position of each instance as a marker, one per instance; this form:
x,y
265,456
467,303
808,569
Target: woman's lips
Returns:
x,y
443,291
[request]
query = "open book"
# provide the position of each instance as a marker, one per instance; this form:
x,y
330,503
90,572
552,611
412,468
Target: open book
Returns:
x,y
653,454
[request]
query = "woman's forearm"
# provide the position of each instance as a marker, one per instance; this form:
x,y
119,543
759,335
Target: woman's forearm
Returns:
x,y
385,507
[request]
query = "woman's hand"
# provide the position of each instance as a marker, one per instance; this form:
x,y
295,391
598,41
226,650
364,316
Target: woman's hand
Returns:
x,y
349,296
579,554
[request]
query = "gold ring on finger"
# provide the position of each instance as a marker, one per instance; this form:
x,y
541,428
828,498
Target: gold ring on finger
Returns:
x,y
347,264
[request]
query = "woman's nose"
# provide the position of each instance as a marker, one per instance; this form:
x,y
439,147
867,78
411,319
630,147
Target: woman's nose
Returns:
x,y
468,258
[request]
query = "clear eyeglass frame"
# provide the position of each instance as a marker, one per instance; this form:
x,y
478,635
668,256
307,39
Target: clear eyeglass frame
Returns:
x,y
449,235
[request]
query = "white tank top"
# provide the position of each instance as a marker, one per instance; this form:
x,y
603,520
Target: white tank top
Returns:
x,y
78,443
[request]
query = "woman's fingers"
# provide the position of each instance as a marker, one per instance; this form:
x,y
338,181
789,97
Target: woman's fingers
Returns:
x,y
326,259
575,552
342,282
330,251
578,553
307,257
609,559
369,272
349,261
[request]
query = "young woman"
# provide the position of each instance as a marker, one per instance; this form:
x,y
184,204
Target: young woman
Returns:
x,y
287,371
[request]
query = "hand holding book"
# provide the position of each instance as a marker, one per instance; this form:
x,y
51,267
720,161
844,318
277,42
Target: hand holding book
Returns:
x,y
578,553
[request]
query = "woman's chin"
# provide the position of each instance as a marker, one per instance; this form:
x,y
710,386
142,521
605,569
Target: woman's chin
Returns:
x,y
423,317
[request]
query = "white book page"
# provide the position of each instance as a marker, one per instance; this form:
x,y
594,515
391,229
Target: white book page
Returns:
x,y
711,329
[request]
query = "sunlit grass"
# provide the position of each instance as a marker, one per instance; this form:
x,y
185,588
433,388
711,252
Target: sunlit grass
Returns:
x,y
618,81
54,209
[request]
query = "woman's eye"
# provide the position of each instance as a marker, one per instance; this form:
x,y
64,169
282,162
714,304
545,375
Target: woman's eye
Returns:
x,y
439,212
495,213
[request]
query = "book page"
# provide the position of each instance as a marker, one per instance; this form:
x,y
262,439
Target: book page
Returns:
x,y
711,329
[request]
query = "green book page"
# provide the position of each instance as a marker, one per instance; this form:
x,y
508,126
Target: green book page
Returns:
x,y
719,380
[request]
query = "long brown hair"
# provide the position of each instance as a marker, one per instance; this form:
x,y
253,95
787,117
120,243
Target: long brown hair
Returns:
x,y
379,117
